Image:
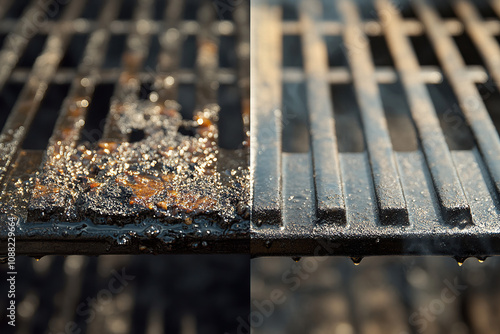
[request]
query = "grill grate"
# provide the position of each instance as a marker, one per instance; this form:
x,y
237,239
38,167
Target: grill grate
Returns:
x,y
53,222
434,199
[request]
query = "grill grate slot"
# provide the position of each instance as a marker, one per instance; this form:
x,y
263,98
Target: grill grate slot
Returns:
x,y
396,181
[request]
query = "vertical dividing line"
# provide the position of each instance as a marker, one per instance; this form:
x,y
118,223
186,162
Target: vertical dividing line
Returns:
x,y
243,53
128,86
265,104
35,88
169,57
329,194
454,206
467,94
388,189
17,40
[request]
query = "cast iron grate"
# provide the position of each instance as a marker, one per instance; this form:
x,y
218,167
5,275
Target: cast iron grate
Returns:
x,y
392,148
116,160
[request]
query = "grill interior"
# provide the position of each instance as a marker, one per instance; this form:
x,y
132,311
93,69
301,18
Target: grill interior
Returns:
x,y
105,78
375,128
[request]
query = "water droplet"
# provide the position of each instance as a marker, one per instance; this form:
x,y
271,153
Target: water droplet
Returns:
x,y
204,244
123,240
460,260
152,231
356,260
296,258
481,259
268,244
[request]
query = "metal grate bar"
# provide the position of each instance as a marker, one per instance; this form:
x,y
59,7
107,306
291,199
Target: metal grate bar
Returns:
x,y
243,51
339,75
390,198
121,27
74,109
448,188
483,38
265,104
329,197
34,90
16,41
207,60
410,27
128,86
5,7
169,57
467,94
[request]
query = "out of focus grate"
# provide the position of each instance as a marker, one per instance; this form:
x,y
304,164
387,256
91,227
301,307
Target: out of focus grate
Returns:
x,y
375,127
129,294
67,84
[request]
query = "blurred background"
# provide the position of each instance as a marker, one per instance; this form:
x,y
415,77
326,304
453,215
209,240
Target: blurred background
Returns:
x,y
199,294
386,295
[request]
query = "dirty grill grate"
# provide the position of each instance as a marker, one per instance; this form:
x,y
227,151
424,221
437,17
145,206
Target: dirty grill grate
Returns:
x,y
139,49
361,140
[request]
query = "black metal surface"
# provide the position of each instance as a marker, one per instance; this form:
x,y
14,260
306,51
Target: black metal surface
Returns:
x,y
61,208
355,183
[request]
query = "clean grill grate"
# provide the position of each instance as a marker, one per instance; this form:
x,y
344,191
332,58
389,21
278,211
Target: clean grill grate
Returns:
x,y
376,158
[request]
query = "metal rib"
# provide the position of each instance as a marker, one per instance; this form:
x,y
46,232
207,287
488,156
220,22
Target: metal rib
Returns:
x,y
451,196
6,4
485,41
389,193
328,185
265,104
207,63
128,86
74,108
17,40
469,98
207,60
169,58
34,90
243,53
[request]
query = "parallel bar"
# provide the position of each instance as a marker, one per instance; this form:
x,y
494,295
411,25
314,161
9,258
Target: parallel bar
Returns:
x,y
123,27
410,27
337,75
240,16
385,75
17,40
455,208
74,108
265,104
6,4
329,195
298,192
128,86
13,200
207,60
467,94
390,198
34,90
171,38
485,41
